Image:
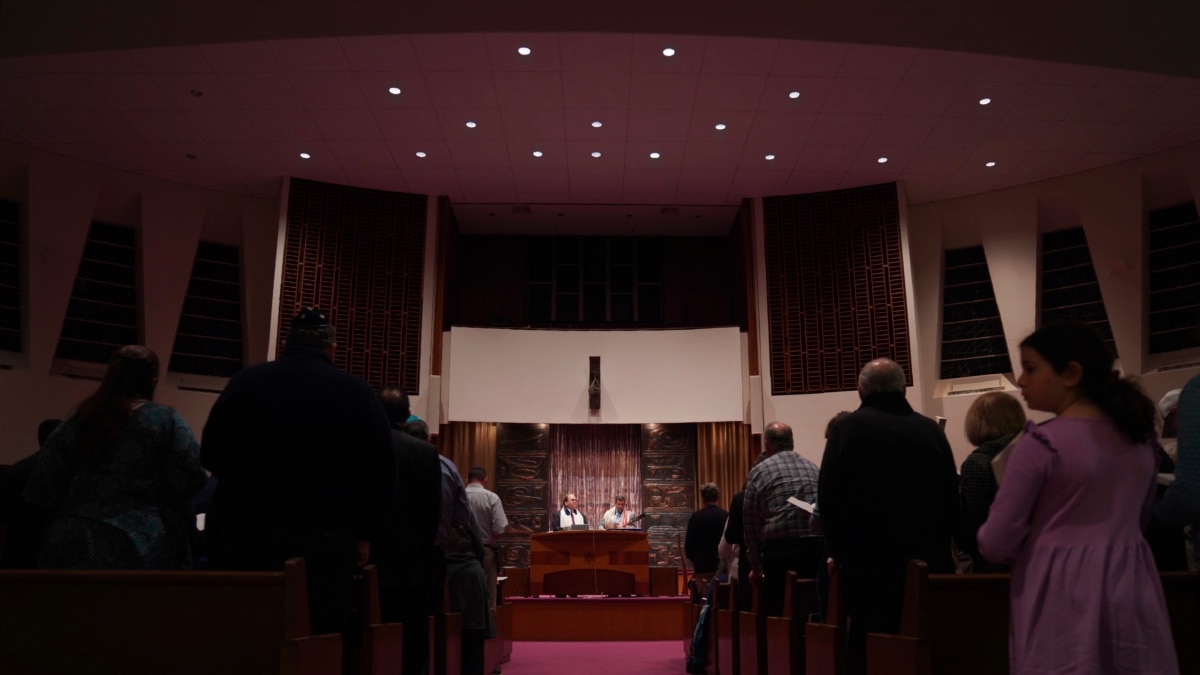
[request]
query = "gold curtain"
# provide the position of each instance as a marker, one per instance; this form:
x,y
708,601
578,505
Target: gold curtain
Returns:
x,y
596,462
723,456
469,444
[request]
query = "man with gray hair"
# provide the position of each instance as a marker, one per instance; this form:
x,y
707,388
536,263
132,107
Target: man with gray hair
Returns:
x,y
303,457
778,535
888,493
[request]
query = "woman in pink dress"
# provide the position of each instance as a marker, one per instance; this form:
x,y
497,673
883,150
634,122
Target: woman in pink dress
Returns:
x,y
1074,497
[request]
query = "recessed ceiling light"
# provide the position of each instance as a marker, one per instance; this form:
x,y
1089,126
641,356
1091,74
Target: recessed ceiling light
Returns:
x,y
197,93
769,158
597,124
990,164
655,155
882,160
394,91
524,51
420,153
793,94
471,125
668,52
305,155
190,156
595,153
984,101
719,126
537,153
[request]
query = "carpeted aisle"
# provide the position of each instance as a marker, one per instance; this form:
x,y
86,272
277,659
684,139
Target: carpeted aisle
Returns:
x,y
596,658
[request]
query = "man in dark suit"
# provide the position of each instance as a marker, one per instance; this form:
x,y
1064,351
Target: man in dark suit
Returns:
x,y
568,515
404,552
888,493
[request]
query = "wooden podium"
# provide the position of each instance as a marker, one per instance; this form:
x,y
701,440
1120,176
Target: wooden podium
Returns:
x,y
589,562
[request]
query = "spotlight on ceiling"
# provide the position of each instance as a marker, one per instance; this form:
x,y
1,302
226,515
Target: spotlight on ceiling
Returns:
x,y
524,51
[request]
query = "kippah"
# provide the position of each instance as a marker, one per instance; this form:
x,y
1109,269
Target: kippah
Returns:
x,y
310,317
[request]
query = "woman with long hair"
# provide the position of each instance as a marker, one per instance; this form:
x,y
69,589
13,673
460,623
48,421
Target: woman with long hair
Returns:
x,y
1074,497
118,474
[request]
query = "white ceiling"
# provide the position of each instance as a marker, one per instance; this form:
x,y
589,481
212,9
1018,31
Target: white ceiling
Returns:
x,y
236,116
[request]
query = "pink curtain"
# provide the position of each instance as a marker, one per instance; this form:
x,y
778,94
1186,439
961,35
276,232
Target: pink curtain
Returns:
x,y
595,462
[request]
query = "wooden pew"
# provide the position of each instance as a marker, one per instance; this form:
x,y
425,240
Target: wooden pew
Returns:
x,y
446,638
950,624
151,623
727,626
752,635
785,652
381,646
1182,592
825,643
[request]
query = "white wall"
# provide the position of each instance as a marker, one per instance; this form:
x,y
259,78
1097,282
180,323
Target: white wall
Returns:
x,y
1110,203
503,375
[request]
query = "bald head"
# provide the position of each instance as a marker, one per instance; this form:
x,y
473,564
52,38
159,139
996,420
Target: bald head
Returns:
x,y
776,437
881,376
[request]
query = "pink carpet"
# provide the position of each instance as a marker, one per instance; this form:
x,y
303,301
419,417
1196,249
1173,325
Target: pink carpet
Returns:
x,y
596,658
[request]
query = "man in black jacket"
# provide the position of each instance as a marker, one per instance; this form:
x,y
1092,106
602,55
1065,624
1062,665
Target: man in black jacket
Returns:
x,y
303,457
888,493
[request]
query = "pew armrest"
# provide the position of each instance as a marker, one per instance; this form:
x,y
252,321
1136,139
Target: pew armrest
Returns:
x,y
897,655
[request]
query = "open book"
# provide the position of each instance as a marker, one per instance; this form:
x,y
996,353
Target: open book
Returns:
x,y
1001,458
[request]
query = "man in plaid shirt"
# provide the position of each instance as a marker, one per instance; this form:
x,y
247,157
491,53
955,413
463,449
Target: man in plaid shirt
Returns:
x,y
778,534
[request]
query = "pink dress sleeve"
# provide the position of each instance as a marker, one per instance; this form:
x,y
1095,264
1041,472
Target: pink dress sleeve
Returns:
x,y
1010,517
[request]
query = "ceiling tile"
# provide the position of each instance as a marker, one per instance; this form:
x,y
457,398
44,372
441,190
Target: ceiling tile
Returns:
x,y
933,64
738,56
922,188
1019,134
711,156
706,181
103,62
283,125
437,156
813,91
478,154
591,180
415,124
1072,74
529,90
940,161
867,161
189,157
69,126
959,132
250,157
444,52
614,123
554,155
222,125
1040,164
611,195
321,90
361,154
859,95
923,97
533,124
637,155
161,126
346,125
1074,136
903,131
413,93
612,155
432,180
534,180
490,126
316,54
759,183
644,181
595,52
261,91
47,63
875,62
137,157
1006,161
288,154
704,122
829,158
662,91
841,129
1167,105
782,127
1008,69
171,60
544,54
380,53
195,91
596,90
330,175
807,182
486,179
1130,139
664,125
802,58
240,57
648,56
462,89
1109,104
961,186
1178,135
129,91
1048,102
1003,96
33,91
729,92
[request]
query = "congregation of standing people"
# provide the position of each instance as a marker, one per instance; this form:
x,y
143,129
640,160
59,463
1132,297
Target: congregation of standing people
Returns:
x,y
302,459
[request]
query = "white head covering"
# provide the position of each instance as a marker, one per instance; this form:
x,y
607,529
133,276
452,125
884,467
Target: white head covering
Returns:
x,y
1168,402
